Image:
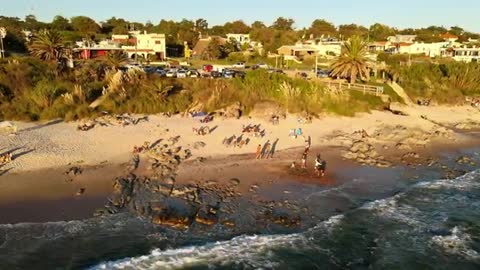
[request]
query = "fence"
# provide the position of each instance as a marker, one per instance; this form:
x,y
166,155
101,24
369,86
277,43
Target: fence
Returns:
x,y
365,88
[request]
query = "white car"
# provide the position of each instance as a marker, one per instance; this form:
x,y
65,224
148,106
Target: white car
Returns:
x,y
238,65
171,74
181,74
194,74
263,65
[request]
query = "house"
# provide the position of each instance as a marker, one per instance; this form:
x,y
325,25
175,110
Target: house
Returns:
x,y
428,49
402,38
242,39
462,54
90,50
302,49
378,46
449,37
146,45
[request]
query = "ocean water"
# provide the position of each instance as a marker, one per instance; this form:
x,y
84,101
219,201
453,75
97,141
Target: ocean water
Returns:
x,y
431,225
423,224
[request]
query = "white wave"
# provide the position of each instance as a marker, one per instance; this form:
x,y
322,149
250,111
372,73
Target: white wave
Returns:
x,y
464,182
458,243
250,251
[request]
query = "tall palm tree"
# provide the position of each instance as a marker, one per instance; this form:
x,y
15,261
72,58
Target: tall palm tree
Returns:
x,y
352,63
48,45
116,59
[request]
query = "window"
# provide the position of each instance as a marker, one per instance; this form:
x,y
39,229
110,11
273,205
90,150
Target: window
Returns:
x,y
158,42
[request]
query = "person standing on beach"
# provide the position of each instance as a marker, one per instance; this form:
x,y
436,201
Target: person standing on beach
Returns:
x,y
304,159
308,143
259,152
267,153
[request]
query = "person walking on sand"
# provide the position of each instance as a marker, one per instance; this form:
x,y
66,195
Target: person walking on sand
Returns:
x,y
304,160
259,152
268,151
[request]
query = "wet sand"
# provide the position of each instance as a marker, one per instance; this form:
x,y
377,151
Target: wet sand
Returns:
x,y
50,195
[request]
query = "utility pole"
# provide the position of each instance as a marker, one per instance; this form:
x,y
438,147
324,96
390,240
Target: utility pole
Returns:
x,y
3,34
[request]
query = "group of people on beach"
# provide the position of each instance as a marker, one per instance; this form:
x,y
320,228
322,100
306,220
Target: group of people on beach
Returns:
x,y
235,141
202,131
266,151
320,164
253,130
5,158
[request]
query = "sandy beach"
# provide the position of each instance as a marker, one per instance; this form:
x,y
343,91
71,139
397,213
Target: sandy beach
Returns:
x,y
43,152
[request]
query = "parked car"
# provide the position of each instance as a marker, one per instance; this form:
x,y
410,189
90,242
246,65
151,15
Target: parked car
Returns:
x,y
149,69
171,74
216,74
193,74
239,65
228,73
207,68
182,73
261,65
322,73
161,72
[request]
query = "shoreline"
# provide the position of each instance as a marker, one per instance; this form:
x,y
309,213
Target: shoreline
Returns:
x,y
47,194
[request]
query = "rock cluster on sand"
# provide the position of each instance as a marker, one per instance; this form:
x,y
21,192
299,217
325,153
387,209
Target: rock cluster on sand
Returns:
x,y
364,153
161,200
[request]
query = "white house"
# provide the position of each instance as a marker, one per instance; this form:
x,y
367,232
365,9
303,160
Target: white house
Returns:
x,y
429,49
462,54
147,44
240,38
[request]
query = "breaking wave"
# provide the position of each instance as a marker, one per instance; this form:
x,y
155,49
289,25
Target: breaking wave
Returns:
x,y
417,221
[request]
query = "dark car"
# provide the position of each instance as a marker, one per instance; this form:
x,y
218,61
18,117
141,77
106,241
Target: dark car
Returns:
x,y
149,69
322,73
216,74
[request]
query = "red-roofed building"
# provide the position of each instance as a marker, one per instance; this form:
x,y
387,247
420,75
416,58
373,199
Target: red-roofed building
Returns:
x,y
449,37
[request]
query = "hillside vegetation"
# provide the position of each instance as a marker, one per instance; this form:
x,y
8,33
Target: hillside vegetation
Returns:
x,y
31,89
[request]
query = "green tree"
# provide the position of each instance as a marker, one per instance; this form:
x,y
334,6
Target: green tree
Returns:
x,y
47,45
201,25
213,51
237,27
32,24
349,30
85,25
380,32
60,23
258,25
322,28
115,26
284,24
352,63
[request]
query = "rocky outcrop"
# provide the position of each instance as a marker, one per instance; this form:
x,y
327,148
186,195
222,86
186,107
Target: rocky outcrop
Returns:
x,y
161,200
232,111
364,153
267,109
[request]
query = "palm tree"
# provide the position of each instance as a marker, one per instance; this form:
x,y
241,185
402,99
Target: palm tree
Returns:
x,y
352,62
116,59
48,45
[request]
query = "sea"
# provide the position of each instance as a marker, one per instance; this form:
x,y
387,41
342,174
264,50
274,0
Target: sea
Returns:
x,y
421,222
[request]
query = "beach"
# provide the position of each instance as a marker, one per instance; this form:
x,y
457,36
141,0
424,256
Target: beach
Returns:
x,y
44,152
66,186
